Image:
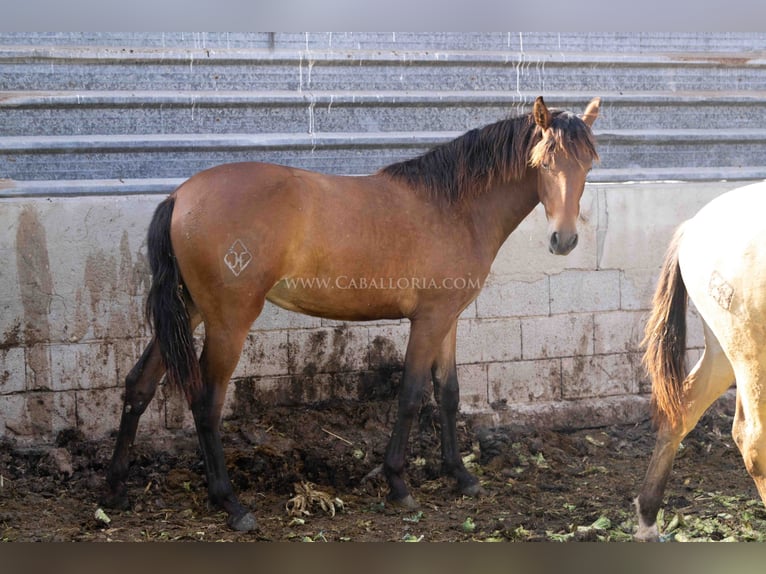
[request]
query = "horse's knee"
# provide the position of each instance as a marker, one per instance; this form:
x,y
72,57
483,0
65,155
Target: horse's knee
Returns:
x,y
446,390
141,382
754,455
409,408
751,442
137,397
410,398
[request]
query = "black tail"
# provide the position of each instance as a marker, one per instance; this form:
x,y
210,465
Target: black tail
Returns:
x,y
166,309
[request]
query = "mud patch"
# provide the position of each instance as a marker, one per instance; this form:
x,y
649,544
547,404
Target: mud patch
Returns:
x,y
542,485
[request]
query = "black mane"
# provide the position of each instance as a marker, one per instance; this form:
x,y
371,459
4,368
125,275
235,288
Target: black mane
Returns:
x,y
496,153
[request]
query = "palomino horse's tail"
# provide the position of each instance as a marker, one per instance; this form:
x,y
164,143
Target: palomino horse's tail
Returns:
x,y
665,339
166,308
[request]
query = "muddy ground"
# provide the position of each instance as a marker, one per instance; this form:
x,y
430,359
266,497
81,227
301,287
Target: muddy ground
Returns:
x,y
542,485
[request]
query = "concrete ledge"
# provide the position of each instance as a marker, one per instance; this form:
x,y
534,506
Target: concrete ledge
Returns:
x,y
10,188
198,55
568,415
362,98
87,187
622,42
415,139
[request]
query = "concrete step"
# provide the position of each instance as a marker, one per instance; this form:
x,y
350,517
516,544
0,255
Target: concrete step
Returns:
x,y
168,112
154,107
111,68
614,42
181,155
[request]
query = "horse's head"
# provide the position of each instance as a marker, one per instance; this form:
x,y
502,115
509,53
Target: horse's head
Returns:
x,y
563,157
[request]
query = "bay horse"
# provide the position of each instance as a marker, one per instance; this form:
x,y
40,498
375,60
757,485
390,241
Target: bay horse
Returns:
x,y
236,235
718,260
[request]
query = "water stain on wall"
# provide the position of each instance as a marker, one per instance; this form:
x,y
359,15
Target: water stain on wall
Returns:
x,y
35,281
109,304
36,288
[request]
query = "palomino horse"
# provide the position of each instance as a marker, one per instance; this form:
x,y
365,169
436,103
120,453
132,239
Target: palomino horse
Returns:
x,y
236,235
718,259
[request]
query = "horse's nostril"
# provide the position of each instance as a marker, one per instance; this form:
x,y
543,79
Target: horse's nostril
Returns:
x,y
562,244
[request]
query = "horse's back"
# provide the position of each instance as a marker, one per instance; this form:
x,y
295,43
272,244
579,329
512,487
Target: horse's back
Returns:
x,y
723,263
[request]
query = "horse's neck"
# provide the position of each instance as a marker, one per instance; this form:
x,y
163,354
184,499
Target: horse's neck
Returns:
x,y
500,210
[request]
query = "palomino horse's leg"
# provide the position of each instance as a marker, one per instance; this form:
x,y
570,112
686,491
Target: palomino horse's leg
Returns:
x,y
749,420
708,380
425,338
140,385
447,393
220,354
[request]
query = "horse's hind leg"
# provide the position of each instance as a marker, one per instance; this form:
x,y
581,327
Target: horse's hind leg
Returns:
x,y
220,354
749,420
447,393
708,380
140,385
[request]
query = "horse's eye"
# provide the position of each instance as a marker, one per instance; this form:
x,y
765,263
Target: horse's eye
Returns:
x,y
545,165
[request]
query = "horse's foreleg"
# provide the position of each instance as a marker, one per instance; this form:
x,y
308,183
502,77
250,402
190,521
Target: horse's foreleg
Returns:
x,y
140,386
421,353
218,361
708,380
447,393
410,396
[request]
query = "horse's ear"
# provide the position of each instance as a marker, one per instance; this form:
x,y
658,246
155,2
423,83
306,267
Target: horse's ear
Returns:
x,y
591,112
541,114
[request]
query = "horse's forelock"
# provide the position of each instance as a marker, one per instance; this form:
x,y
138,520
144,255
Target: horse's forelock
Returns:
x,y
568,134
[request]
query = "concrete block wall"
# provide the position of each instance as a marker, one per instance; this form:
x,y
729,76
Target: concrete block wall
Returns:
x,y
96,128
550,340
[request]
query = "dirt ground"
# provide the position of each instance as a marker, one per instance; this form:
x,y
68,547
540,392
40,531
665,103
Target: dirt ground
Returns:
x,y
542,485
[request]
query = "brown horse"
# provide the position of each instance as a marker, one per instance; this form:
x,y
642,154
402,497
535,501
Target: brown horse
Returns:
x,y
236,235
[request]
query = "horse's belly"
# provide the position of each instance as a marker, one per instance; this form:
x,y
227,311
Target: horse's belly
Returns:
x,y
339,299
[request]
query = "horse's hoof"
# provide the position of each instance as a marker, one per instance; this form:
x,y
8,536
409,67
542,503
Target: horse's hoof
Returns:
x,y
647,533
115,500
475,490
407,503
242,523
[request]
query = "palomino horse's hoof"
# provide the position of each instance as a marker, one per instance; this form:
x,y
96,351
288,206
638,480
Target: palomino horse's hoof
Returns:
x,y
647,533
407,503
242,523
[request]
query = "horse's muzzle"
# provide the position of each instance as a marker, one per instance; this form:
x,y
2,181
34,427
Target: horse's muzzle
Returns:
x,y
562,243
